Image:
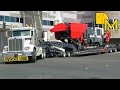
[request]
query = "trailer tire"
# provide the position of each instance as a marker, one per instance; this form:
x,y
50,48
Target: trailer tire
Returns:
x,y
34,57
68,54
110,50
115,50
64,54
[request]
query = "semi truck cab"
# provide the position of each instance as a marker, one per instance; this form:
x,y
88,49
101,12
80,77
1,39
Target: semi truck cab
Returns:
x,y
23,45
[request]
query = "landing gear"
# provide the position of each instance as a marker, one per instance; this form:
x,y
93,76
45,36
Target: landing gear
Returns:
x,y
43,55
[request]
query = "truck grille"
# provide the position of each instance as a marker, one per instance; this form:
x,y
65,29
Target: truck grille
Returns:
x,y
15,45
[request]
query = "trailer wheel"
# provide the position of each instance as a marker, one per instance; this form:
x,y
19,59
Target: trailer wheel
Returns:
x,y
33,59
68,54
110,50
64,54
115,50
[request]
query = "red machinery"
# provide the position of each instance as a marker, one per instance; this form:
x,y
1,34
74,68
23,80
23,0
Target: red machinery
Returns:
x,y
74,31
70,31
78,34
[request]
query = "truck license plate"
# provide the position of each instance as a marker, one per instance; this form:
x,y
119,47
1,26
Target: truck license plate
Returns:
x,y
18,58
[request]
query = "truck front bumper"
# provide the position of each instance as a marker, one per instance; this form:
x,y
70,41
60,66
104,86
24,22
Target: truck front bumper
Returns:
x,y
16,56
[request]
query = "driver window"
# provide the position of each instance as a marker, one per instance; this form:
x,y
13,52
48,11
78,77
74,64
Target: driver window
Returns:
x,y
98,32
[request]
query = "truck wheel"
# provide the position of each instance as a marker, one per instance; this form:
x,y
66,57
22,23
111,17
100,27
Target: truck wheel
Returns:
x,y
34,56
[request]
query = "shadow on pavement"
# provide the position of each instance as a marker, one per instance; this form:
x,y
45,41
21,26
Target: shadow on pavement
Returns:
x,y
83,55
15,62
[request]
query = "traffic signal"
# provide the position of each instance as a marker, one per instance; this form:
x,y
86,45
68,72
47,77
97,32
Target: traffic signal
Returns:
x,y
4,25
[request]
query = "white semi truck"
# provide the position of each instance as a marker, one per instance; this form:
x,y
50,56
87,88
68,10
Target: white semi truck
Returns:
x,y
23,45
24,42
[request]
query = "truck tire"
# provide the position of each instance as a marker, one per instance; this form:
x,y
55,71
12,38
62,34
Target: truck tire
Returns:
x,y
33,59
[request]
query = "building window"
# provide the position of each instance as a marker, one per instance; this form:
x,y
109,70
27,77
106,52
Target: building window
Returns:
x,y
111,21
45,22
12,19
21,20
7,18
54,12
48,23
1,18
100,25
17,19
51,23
96,25
90,24
118,21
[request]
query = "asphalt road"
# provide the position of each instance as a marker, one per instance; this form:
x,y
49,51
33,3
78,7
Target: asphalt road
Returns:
x,y
105,66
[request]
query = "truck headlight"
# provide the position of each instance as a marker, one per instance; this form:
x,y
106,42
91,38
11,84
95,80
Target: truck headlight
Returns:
x,y
27,48
6,49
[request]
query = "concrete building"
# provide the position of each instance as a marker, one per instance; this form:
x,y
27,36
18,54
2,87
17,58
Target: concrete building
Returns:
x,y
11,18
113,15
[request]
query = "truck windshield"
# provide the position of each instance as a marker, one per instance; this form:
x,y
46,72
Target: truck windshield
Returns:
x,y
21,33
90,31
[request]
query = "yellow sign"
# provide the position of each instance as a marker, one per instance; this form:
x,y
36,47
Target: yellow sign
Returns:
x,y
18,58
102,18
